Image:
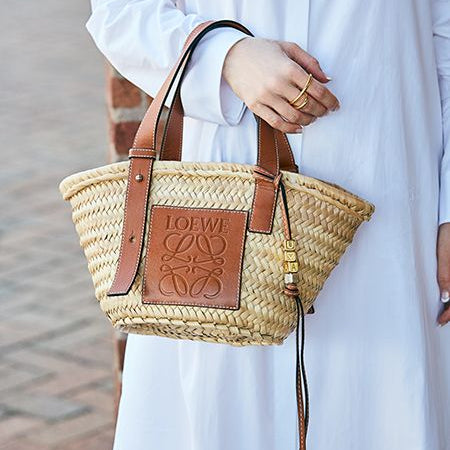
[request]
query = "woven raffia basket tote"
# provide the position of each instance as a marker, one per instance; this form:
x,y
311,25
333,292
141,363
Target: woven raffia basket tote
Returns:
x,y
217,252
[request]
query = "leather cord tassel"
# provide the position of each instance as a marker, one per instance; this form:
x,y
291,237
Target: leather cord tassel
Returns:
x,y
301,381
291,289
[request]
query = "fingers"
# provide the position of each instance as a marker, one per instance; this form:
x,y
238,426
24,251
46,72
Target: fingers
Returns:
x,y
444,316
275,120
444,285
283,83
290,114
443,275
323,95
305,60
314,108
275,109
316,89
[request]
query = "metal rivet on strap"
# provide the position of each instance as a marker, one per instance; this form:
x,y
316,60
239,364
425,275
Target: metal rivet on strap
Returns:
x,y
139,177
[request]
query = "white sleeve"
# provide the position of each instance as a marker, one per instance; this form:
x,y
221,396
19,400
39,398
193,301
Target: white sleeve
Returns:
x,y
143,38
441,31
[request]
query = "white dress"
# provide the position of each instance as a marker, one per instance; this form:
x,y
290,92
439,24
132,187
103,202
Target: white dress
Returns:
x,y
378,366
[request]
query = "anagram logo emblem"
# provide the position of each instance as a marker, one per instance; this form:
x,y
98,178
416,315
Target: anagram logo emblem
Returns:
x,y
193,253
194,256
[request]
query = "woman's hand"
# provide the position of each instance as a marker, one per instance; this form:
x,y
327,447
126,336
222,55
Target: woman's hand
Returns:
x,y
443,255
268,74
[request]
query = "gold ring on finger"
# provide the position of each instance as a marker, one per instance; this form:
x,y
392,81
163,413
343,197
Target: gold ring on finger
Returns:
x,y
303,91
304,101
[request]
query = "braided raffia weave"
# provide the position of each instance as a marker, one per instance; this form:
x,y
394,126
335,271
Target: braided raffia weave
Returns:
x,y
324,218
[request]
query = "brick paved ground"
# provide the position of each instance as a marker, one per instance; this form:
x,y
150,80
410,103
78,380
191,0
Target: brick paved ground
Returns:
x,y
55,345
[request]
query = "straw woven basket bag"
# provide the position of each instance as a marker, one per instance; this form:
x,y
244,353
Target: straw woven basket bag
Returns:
x,y
218,252
323,219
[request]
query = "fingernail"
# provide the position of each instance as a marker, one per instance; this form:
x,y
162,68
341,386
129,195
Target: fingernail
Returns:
x,y
299,130
328,78
445,297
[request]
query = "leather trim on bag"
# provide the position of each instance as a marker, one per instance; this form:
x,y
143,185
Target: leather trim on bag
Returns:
x,y
135,215
264,201
194,256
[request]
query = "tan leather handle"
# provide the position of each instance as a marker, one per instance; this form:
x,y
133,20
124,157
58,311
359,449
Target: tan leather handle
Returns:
x,y
172,139
146,137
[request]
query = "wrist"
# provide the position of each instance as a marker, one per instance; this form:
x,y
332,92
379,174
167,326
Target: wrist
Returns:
x,y
232,56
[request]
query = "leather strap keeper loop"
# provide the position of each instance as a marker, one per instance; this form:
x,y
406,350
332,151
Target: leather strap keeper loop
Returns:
x,y
141,153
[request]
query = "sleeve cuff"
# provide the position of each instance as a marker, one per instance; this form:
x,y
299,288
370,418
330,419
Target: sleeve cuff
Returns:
x,y
204,92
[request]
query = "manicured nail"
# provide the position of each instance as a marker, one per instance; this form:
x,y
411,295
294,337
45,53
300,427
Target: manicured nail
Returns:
x,y
445,297
329,78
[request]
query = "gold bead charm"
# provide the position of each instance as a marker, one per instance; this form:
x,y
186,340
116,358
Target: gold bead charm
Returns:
x,y
290,256
289,245
290,265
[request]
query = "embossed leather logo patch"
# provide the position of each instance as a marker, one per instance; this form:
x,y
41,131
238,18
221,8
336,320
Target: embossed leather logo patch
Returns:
x,y
194,256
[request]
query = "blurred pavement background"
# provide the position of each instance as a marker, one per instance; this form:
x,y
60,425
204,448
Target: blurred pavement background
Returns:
x,y
56,361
